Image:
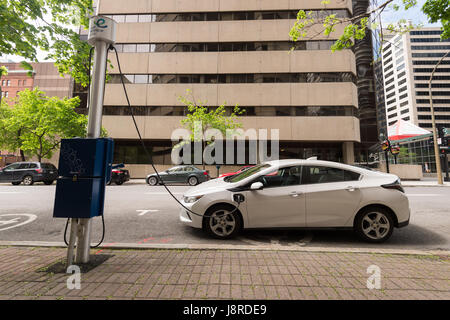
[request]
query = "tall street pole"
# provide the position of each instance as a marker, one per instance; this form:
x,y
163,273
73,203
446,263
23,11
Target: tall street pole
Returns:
x,y
433,121
101,36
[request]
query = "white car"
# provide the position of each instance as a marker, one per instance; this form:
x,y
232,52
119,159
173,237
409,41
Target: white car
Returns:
x,y
299,194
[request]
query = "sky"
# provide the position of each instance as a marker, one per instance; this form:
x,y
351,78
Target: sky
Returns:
x,y
414,14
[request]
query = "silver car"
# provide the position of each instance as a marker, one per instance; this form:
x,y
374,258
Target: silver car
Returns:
x,y
301,194
179,174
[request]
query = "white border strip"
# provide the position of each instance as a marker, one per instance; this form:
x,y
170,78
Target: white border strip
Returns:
x,y
233,247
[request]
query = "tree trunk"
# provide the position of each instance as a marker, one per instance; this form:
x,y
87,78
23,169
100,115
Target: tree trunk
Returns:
x,y
22,154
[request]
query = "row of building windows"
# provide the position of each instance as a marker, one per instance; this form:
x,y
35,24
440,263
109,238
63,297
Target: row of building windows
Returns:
x,y
430,47
309,77
7,83
427,54
429,70
435,93
225,46
266,111
430,125
437,101
433,85
429,40
132,151
436,109
429,62
425,32
437,117
224,16
5,94
434,77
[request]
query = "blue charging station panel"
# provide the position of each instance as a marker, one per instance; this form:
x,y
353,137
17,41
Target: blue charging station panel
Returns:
x,y
84,169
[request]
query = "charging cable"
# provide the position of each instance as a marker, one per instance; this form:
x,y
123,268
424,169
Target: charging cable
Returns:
x,y
145,148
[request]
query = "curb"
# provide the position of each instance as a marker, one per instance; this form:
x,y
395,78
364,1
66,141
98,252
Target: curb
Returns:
x,y
233,247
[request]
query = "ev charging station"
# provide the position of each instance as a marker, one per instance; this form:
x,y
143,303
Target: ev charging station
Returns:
x,y
85,164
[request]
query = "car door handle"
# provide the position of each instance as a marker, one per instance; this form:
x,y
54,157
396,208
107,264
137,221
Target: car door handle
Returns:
x,y
295,194
350,188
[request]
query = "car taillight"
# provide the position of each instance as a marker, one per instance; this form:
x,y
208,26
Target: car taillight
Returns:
x,y
39,170
205,173
394,185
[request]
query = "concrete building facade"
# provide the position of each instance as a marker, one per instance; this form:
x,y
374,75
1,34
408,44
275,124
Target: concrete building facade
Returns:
x,y
408,61
236,52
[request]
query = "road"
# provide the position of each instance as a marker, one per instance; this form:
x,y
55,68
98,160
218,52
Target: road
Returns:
x,y
137,213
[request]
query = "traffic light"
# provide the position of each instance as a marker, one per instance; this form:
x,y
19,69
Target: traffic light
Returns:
x,y
442,131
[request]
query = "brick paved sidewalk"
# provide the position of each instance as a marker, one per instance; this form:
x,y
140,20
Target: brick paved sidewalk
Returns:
x,y
223,274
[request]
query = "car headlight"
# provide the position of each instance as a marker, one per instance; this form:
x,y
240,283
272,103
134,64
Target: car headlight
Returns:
x,y
191,199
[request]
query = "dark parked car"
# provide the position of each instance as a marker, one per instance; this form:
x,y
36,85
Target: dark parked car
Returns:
x,y
179,174
118,175
29,173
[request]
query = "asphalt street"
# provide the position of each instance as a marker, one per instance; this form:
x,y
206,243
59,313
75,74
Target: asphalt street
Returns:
x,y
137,213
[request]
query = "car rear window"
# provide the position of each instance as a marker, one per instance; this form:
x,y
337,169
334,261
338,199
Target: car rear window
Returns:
x,y
32,165
48,166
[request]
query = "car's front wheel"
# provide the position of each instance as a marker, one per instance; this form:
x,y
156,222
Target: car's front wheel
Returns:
x,y
374,224
28,180
193,181
152,181
223,222
119,182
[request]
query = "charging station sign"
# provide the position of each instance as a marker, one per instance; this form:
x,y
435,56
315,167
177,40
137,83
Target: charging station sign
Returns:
x,y
101,28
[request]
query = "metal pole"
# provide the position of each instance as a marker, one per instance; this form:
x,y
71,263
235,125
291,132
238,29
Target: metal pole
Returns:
x,y
72,239
433,121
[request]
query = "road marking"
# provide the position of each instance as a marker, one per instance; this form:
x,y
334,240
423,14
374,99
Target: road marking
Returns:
x,y
162,193
6,192
31,217
142,212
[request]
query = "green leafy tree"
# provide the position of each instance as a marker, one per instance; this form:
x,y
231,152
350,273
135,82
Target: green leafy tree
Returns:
x,y
36,123
356,26
209,118
3,72
405,156
49,25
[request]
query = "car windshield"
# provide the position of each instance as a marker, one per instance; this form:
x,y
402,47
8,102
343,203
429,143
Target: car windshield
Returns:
x,y
246,173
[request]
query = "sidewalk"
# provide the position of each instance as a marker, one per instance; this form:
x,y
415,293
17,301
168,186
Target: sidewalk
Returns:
x,y
34,273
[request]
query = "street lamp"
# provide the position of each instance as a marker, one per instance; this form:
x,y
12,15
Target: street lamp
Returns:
x,y
436,147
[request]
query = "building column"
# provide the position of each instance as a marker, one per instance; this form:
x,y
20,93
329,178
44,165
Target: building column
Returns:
x,y
348,150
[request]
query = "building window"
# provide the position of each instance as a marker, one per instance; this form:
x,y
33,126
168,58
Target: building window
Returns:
x,y
8,83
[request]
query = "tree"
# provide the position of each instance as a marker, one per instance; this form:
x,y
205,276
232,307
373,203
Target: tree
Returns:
x,y
36,123
208,118
356,27
3,72
405,156
50,25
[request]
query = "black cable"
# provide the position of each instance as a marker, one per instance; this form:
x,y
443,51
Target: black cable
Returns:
x,y
145,148
88,99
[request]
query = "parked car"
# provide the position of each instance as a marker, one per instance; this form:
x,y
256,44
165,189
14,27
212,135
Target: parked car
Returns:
x,y
180,174
29,173
233,173
118,175
300,194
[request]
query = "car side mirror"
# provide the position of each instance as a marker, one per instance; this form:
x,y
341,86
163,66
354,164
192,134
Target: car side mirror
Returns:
x,y
256,186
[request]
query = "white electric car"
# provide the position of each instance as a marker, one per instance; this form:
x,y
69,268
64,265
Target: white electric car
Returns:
x,y
299,194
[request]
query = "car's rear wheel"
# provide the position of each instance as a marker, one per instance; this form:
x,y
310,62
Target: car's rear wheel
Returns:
x,y
28,180
374,224
152,181
48,182
223,222
193,181
119,182
16,183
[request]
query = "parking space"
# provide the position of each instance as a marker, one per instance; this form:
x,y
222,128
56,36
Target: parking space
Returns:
x,y
138,213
